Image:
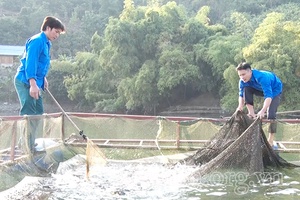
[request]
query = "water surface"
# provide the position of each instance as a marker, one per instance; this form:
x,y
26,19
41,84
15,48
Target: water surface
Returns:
x,y
151,180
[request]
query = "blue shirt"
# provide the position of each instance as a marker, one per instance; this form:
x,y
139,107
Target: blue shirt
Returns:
x,y
264,81
35,62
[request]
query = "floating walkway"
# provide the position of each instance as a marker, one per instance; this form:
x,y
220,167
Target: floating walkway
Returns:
x,y
187,145
283,146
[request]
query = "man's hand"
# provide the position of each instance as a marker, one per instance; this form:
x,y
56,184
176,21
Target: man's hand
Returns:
x,y
261,114
267,103
239,109
252,115
34,90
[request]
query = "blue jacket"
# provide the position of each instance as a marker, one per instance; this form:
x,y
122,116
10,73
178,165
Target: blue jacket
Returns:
x,y
35,62
264,81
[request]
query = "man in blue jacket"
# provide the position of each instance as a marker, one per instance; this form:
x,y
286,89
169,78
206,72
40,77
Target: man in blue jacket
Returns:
x,y
260,83
30,78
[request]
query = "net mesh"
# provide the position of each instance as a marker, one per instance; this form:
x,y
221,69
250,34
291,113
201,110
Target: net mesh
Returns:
x,y
128,137
94,157
241,145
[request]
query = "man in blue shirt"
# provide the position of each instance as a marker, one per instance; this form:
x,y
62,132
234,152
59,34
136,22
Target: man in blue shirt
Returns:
x,y
30,78
260,83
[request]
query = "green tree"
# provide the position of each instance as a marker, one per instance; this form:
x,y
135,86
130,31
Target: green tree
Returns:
x,y
275,47
76,82
140,91
59,70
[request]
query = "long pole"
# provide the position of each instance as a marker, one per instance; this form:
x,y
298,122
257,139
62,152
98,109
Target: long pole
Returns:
x,y
68,117
288,112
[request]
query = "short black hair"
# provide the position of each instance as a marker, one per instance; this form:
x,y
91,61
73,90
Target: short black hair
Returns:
x,y
52,22
242,66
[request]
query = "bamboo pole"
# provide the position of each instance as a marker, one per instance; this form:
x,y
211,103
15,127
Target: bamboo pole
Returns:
x,y
288,112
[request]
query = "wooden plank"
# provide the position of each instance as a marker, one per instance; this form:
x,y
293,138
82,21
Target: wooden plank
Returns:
x,y
106,142
168,144
284,146
281,145
288,150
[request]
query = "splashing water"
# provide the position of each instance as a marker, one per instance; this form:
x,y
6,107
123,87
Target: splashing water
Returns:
x,y
134,180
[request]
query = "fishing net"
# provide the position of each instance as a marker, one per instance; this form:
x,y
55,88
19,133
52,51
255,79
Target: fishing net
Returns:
x,y
120,137
18,159
239,145
94,157
210,143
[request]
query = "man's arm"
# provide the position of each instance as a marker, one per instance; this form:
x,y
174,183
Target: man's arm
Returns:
x,y
265,107
33,52
241,98
241,103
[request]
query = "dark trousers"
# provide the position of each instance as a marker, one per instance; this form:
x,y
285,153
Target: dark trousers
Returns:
x,y
271,115
29,106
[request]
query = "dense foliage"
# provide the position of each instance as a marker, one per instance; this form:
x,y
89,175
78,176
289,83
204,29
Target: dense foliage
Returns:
x,y
143,56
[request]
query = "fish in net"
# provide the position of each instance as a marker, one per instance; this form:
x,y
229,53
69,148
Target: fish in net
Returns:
x,y
239,145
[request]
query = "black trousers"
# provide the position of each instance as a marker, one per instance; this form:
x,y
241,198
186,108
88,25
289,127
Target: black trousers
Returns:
x,y
249,93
